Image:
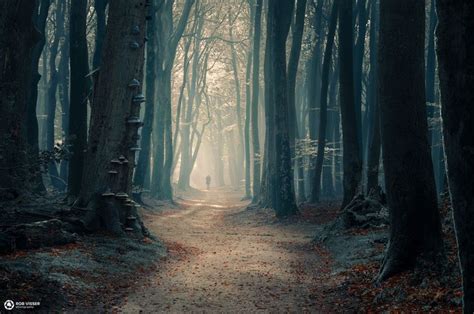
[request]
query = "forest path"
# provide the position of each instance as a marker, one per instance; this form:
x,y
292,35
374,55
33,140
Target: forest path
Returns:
x,y
224,258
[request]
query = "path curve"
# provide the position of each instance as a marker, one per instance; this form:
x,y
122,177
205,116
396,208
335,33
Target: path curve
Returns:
x,y
224,258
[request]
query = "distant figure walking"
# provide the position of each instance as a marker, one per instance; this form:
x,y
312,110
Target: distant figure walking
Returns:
x,y
208,181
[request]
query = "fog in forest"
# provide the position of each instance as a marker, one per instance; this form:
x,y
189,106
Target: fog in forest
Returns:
x,y
243,155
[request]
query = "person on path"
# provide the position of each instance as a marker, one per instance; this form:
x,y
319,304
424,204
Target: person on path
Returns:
x,y
208,181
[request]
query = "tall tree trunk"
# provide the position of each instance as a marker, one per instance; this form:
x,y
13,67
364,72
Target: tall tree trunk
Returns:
x,y
143,163
373,142
279,171
107,179
238,106
64,96
358,66
256,159
324,104
293,62
79,93
100,6
415,228
18,37
39,19
314,84
352,160
248,105
167,43
52,88
455,49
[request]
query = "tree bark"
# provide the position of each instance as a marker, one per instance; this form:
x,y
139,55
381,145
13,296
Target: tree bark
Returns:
x,y
39,19
373,142
248,105
358,66
100,6
143,163
280,170
256,159
52,88
63,73
18,37
110,158
352,160
79,94
454,49
323,120
415,228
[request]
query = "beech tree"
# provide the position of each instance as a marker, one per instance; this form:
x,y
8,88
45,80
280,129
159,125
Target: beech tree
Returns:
x,y
79,64
279,172
415,227
454,50
255,93
324,104
110,157
18,37
352,157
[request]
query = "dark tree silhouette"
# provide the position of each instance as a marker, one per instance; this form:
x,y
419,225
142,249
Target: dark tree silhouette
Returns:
x,y
279,165
110,157
454,49
415,228
79,64
352,159
18,37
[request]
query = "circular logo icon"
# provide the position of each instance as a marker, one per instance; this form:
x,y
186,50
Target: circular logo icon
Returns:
x,y
9,305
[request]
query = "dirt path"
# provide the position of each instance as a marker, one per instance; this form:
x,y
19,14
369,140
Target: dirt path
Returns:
x,y
224,258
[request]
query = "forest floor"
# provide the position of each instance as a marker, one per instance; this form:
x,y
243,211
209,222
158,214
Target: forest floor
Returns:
x,y
223,257
219,256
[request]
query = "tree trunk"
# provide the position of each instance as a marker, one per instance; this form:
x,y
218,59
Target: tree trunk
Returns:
x,y
110,157
314,85
256,159
280,170
352,160
454,49
52,88
316,186
39,19
100,6
358,66
248,105
143,163
18,37
79,93
293,62
64,97
373,142
415,228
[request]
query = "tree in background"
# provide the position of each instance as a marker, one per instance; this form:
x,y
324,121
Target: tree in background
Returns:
x,y
79,64
352,159
323,120
255,93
